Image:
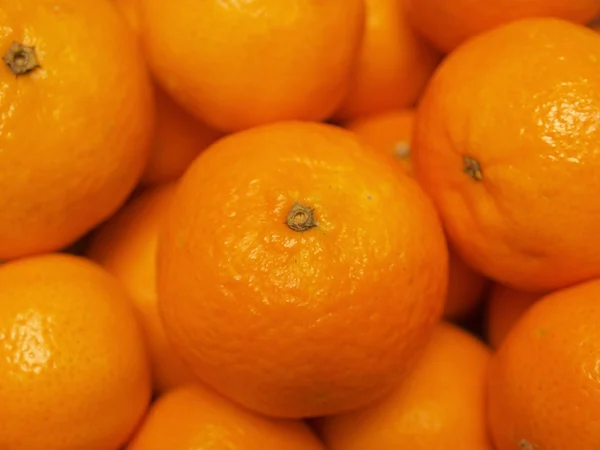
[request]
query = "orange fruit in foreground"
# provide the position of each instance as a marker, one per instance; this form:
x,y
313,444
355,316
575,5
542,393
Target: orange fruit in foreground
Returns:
x,y
448,24
390,134
505,306
544,388
299,273
238,65
126,246
76,124
192,417
393,66
74,372
440,405
511,154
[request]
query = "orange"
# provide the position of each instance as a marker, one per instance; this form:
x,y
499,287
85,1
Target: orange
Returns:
x,y
126,247
129,9
544,388
390,134
78,114
505,306
236,65
74,372
507,143
448,24
299,273
393,65
178,137
193,417
440,405
466,288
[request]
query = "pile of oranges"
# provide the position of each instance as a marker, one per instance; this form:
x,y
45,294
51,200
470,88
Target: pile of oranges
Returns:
x,y
299,225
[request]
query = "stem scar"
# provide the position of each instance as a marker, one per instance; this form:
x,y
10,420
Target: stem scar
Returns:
x,y
21,59
301,218
472,168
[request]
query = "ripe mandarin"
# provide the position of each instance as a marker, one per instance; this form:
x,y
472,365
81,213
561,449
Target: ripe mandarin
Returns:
x,y
393,65
544,385
390,134
507,143
238,64
126,246
440,405
178,136
448,24
74,372
298,272
77,117
193,417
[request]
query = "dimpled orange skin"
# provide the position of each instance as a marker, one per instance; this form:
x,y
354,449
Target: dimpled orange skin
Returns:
x,y
448,24
505,306
440,405
529,218
390,134
76,131
299,323
240,64
544,385
74,371
126,246
393,66
192,417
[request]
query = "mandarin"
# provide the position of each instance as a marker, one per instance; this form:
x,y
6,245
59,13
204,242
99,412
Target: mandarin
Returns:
x,y
390,134
299,273
440,405
237,64
507,143
130,10
448,24
178,139
544,386
77,117
178,136
126,246
74,372
393,66
193,417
